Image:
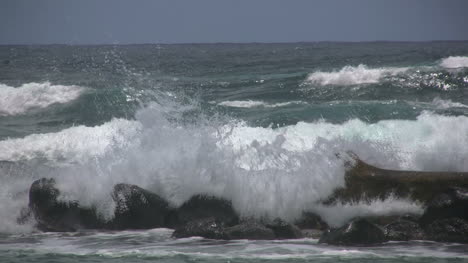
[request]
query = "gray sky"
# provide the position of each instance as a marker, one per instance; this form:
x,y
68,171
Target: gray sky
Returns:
x,y
187,21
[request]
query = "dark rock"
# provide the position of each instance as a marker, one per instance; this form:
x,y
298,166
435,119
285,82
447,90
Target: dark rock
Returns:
x,y
25,216
310,220
137,208
284,230
404,230
452,202
250,230
357,232
448,230
206,227
202,206
54,215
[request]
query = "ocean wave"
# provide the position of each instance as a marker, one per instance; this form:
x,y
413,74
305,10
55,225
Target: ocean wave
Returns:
x,y
77,144
30,96
447,104
266,172
454,62
350,75
255,103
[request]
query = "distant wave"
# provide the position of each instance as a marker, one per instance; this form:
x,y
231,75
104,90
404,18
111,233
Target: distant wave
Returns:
x,y
29,96
255,103
454,62
350,75
447,104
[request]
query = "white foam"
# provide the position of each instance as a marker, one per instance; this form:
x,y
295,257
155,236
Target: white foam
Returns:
x,y
340,214
32,96
255,103
447,104
77,144
350,75
454,62
264,171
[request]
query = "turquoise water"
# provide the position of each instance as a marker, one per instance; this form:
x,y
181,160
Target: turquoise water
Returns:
x,y
258,124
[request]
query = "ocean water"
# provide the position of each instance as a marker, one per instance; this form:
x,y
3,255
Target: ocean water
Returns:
x,y
263,125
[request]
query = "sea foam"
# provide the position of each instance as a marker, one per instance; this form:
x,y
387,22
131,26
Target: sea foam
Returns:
x,y
33,95
351,75
272,172
454,62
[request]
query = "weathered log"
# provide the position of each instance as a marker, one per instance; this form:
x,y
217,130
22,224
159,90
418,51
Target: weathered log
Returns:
x,y
364,182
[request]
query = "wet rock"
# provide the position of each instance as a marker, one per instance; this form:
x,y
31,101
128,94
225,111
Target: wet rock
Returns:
x,y
203,206
137,208
448,230
452,202
205,227
284,230
54,215
311,220
250,230
404,230
357,232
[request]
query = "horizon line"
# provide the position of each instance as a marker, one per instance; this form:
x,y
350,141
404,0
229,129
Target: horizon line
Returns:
x,y
230,43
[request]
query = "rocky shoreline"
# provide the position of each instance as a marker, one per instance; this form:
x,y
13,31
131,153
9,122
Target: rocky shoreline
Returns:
x,y
445,218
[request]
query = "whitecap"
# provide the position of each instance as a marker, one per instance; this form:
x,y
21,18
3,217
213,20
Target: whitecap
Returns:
x,y
30,96
454,62
350,75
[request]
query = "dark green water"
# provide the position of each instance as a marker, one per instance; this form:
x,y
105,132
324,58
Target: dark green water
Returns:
x,y
258,124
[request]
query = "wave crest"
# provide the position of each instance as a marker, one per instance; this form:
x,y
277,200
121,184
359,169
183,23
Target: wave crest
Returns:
x,y
350,75
454,62
29,96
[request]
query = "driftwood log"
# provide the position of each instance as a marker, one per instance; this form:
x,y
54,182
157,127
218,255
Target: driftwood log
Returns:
x,y
364,182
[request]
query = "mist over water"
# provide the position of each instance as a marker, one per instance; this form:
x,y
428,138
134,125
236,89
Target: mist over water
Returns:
x,y
265,126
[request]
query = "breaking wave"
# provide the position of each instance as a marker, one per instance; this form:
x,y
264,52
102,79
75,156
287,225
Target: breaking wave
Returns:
x,y
350,75
30,96
272,172
454,62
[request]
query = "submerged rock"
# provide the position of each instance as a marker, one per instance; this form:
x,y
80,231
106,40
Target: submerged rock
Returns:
x,y
453,202
203,206
448,230
404,230
137,208
284,230
250,230
357,232
205,227
54,215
